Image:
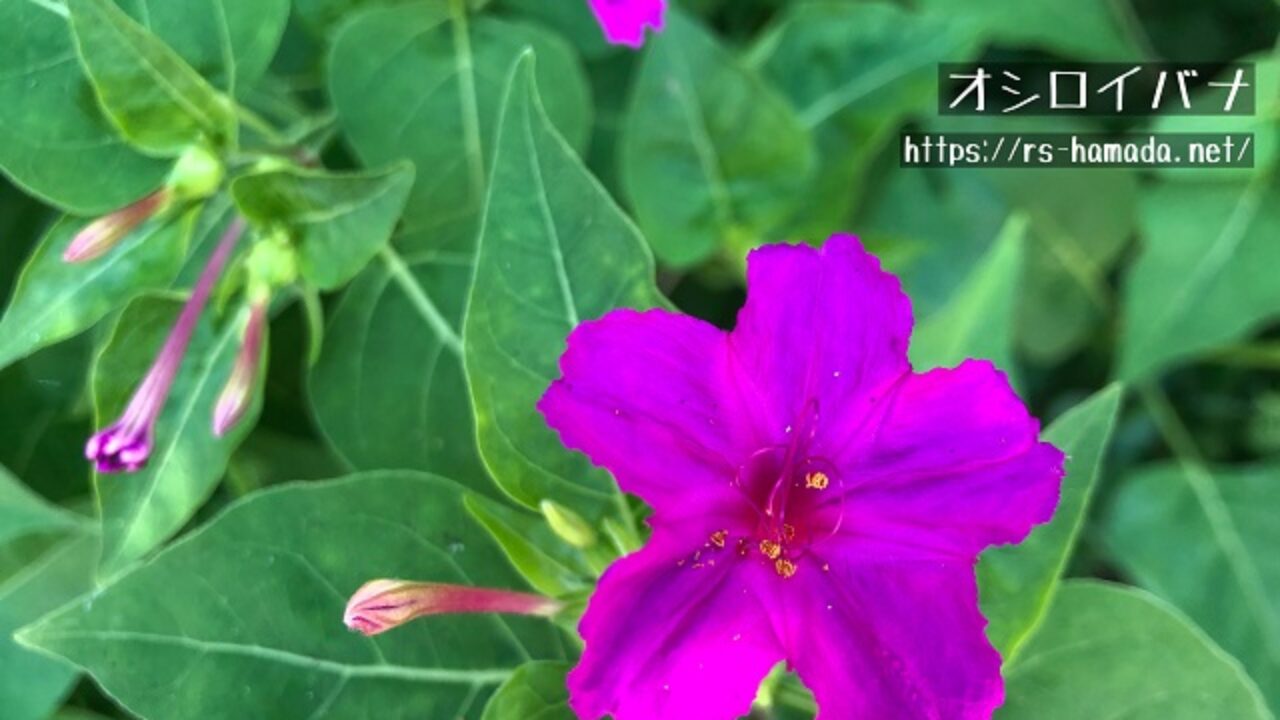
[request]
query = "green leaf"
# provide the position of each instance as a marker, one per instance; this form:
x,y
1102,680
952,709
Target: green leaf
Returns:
x,y
535,692
247,611
1205,541
549,565
853,71
55,300
573,20
978,321
1088,30
1019,582
141,510
1108,651
391,368
554,251
157,101
339,220
712,156
423,82
22,512
1206,274
33,684
54,142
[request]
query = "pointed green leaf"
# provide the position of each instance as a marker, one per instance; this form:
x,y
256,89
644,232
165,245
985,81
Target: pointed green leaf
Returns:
x,y
33,684
978,321
711,154
1019,582
246,613
156,100
535,692
55,300
554,251
23,512
1107,651
423,82
339,220
141,510
1205,541
1206,275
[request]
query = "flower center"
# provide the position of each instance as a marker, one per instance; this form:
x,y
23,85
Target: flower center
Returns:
x,y
797,501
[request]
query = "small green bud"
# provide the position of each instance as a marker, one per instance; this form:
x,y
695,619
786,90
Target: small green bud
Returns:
x,y
271,264
568,525
197,174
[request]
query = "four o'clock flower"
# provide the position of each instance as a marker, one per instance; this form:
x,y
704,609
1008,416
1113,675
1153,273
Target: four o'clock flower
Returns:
x,y
237,394
815,500
381,605
99,236
624,21
126,444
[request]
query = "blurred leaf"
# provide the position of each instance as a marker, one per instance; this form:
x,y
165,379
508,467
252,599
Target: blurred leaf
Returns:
x,y
1206,275
1019,582
54,142
536,691
712,156
555,251
55,300
339,221
978,321
158,102
325,16
248,610
391,367
33,684
853,71
1205,541
573,20
546,562
143,509
1087,29
269,457
452,68
23,512
1110,651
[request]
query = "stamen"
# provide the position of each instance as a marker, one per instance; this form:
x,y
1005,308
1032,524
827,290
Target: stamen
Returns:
x,y
784,567
816,480
718,537
770,549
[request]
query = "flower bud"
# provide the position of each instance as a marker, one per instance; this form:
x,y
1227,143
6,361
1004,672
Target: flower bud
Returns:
x,y
568,525
197,174
381,605
237,394
99,236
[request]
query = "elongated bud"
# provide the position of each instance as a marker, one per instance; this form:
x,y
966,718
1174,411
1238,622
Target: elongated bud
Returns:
x,y
381,605
99,236
568,525
237,394
125,445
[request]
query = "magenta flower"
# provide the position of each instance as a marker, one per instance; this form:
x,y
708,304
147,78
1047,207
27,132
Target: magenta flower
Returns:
x,y
125,445
624,21
380,605
815,501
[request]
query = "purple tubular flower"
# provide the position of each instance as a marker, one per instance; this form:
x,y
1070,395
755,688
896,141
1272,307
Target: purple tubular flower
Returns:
x,y
238,392
99,236
815,501
125,445
624,21
380,605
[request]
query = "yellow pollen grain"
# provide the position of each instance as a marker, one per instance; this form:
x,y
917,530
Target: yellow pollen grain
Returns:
x,y
718,537
788,532
770,549
817,480
784,567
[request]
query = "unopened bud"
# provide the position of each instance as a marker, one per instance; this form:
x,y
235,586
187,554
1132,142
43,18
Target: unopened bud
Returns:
x,y
197,174
237,394
568,525
99,236
381,605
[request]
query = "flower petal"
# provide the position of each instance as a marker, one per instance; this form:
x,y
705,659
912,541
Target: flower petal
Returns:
x,y
892,641
823,326
953,466
624,21
671,638
652,397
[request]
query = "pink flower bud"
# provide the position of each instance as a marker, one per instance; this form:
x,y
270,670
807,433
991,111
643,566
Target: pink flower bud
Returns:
x,y
99,236
238,392
381,605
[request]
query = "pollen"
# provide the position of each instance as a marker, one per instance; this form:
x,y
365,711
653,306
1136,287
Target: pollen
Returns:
x,y
817,480
718,537
770,549
784,567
